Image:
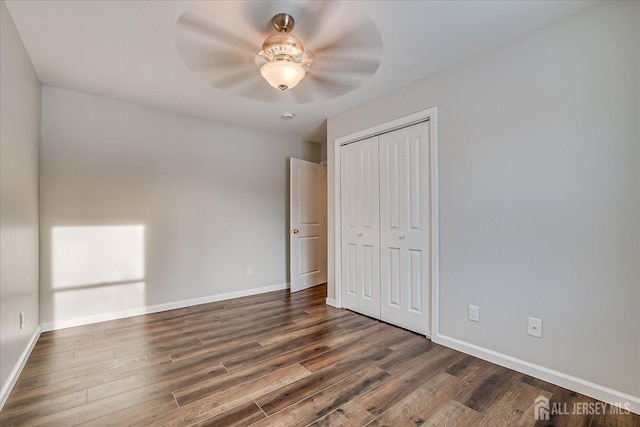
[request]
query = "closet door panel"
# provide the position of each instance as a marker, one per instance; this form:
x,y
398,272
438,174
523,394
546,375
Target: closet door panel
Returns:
x,y
360,217
404,227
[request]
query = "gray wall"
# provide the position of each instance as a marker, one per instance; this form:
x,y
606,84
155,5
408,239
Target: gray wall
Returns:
x,y
208,199
19,139
539,192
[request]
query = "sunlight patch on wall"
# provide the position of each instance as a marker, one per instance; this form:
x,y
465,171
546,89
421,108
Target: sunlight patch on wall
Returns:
x,y
97,270
85,256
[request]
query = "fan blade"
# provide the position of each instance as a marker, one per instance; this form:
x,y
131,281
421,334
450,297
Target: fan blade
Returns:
x,y
347,65
316,86
229,81
214,53
312,17
359,40
341,27
191,26
336,86
202,61
347,48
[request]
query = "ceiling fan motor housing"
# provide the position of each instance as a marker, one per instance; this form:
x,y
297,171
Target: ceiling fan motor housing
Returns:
x,y
282,46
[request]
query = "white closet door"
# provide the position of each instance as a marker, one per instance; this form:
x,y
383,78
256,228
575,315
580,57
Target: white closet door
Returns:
x,y
360,227
405,228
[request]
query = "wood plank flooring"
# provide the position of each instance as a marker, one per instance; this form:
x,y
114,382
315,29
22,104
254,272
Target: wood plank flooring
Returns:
x,y
274,359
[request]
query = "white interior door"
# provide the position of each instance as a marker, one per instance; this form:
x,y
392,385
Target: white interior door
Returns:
x,y
308,228
405,228
360,227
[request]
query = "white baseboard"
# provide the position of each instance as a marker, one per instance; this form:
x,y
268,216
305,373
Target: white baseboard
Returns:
x,y
570,382
17,369
69,323
332,302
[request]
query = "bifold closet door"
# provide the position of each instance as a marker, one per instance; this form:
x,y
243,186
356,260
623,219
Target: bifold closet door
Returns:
x,y
405,228
359,198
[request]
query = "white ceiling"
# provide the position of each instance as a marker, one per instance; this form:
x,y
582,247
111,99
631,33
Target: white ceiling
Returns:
x,y
126,50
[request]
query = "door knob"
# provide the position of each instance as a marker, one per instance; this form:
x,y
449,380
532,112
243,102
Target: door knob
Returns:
x,y
401,236
295,231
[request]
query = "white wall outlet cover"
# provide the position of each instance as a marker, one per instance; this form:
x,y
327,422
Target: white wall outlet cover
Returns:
x,y
474,313
535,327
249,271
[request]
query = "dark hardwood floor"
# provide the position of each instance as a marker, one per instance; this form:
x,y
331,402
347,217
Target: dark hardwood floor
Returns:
x,y
272,359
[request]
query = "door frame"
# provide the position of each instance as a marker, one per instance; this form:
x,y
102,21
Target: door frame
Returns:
x,y
430,115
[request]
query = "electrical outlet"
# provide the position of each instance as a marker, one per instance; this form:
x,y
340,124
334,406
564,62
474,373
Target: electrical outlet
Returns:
x,y
249,271
535,327
474,313
22,320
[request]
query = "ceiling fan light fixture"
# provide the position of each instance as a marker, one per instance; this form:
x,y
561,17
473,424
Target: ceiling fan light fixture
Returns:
x,y
285,55
282,74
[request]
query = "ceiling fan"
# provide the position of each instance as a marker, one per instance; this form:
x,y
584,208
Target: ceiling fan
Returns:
x,y
340,51
283,61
